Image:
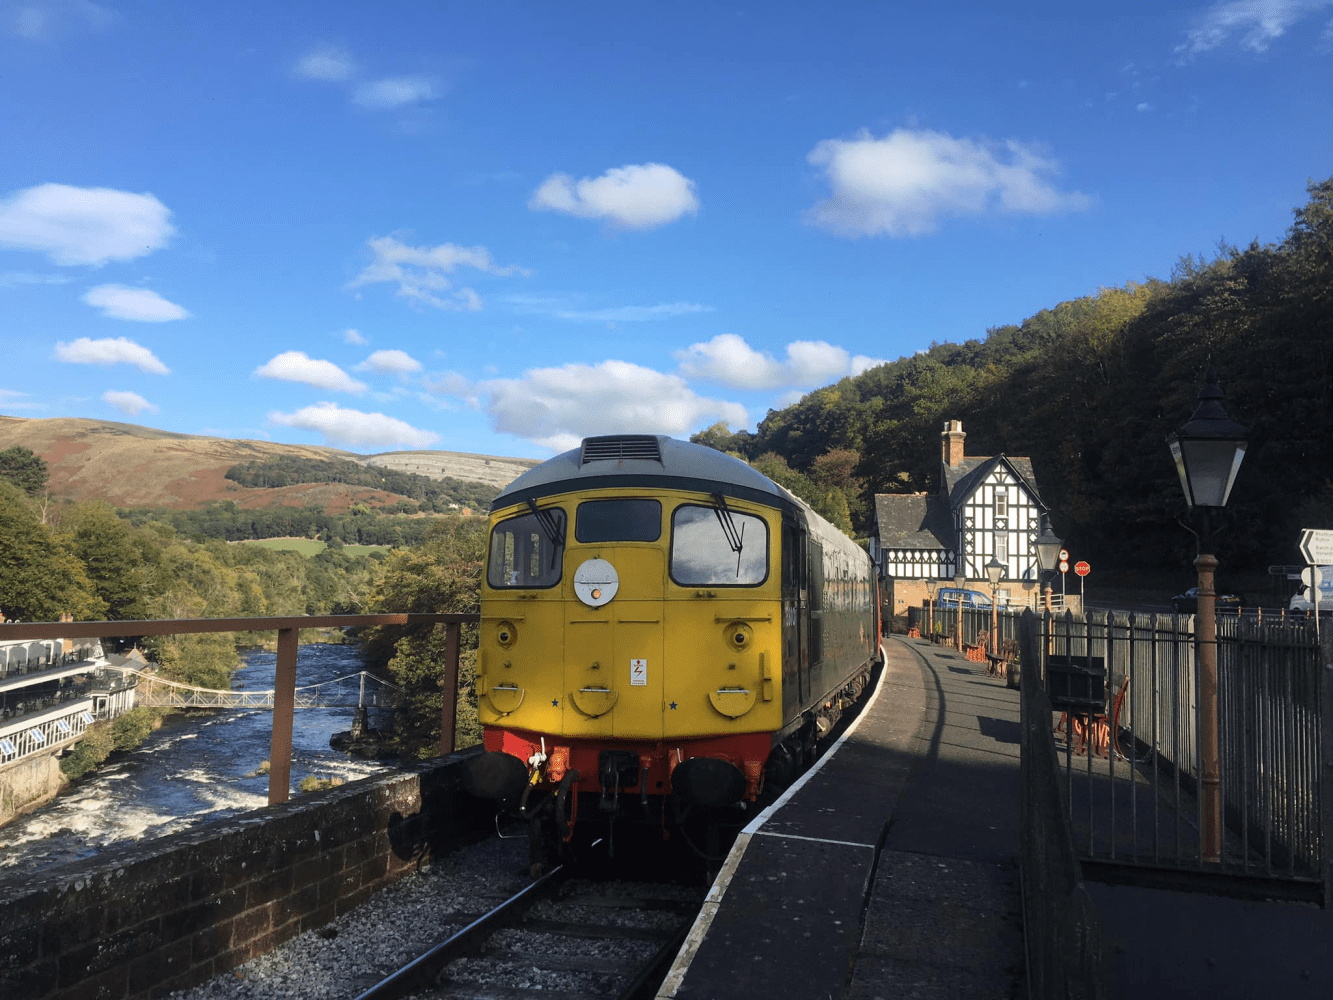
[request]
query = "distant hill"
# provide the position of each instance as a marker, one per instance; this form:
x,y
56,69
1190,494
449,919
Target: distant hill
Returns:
x,y
133,467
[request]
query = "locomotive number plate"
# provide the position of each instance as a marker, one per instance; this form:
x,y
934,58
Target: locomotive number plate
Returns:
x,y
638,673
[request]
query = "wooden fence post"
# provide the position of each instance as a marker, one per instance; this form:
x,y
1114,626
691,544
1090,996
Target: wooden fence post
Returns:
x,y
449,687
284,705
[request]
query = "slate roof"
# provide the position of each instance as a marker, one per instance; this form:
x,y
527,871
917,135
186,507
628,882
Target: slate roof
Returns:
x,y
972,471
913,521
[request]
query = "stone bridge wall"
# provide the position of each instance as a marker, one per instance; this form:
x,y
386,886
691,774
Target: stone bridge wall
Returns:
x,y
141,921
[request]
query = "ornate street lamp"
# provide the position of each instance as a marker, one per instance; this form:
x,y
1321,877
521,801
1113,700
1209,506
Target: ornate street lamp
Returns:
x,y
931,584
995,572
1208,450
960,578
1049,545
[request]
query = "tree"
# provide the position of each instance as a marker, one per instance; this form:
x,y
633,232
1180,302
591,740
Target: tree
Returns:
x,y
25,469
442,576
114,564
39,579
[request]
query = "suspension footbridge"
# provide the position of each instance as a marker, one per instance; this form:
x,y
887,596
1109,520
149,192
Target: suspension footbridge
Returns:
x,y
351,690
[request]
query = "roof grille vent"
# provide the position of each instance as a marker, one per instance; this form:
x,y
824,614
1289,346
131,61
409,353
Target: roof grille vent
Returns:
x,y
620,447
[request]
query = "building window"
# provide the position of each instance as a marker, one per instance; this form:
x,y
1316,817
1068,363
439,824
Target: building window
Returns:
x,y
1002,546
1001,503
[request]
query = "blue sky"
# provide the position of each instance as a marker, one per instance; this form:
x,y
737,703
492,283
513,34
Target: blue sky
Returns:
x,y
499,228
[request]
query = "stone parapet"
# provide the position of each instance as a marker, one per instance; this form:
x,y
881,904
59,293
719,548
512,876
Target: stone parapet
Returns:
x,y
140,921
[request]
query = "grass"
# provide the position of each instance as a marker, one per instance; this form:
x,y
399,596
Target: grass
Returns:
x,y
310,546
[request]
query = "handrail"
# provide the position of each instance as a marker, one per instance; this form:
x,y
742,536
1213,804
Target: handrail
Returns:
x,y
284,685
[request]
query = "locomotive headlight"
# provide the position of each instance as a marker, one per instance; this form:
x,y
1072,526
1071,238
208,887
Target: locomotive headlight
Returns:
x,y
738,636
506,634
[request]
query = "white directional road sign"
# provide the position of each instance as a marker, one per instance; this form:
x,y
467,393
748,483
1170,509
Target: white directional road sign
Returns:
x,y
1317,546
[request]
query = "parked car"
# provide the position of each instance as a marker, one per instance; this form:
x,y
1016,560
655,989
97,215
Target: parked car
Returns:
x,y
1188,603
955,597
1301,603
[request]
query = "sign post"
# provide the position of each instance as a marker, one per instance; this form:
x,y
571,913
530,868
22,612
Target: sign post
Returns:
x,y
1064,572
1082,569
1317,547
1313,578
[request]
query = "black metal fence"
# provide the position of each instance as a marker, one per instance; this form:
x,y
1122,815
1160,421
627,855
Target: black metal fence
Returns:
x,y
1128,736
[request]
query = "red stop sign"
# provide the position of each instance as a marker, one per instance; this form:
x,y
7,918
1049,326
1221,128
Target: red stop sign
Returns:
x,y
1082,568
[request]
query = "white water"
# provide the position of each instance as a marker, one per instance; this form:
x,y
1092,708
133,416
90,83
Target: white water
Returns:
x,y
193,770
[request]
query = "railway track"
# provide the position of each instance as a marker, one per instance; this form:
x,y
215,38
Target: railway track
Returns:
x,y
560,938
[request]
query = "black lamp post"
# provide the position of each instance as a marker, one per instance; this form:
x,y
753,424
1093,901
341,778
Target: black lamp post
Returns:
x,y
931,584
995,573
959,578
1208,450
1049,545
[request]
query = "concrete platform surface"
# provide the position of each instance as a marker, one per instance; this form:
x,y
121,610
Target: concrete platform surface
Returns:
x,y
889,870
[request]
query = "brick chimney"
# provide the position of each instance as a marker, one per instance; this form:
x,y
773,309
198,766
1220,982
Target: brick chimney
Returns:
x,y
952,441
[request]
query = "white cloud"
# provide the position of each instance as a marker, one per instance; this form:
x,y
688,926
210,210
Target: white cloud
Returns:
x,y
393,362
558,407
356,429
354,337
450,384
636,196
383,95
73,225
11,279
1143,106
295,366
729,360
325,62
119,351
12,399
420,272
905,182
1257,22
129,403
120,302
40,19
561,309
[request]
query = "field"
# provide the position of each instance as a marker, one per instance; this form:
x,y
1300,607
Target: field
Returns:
x,y
311,546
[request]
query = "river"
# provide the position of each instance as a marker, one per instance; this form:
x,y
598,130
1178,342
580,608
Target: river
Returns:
x,y
195,769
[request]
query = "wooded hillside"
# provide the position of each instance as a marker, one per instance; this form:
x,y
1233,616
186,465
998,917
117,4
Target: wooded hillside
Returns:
x,y
1089,390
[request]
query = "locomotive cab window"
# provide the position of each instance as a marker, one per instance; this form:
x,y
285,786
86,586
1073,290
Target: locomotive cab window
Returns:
x,y
718,547
623,520
527,551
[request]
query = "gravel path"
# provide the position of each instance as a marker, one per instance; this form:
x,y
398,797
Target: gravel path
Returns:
x,y
356,951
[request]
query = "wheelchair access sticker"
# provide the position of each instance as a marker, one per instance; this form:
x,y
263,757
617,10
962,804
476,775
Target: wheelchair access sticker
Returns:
x,y
638,673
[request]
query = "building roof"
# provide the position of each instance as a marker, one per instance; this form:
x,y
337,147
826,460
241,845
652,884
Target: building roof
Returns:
x,y
913,521
923,521
972,472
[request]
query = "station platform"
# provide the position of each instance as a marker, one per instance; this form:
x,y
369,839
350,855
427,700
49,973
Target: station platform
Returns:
x,y
890,869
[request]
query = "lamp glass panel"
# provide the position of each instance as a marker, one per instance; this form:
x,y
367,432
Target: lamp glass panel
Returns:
x,y
1211,465
1048,551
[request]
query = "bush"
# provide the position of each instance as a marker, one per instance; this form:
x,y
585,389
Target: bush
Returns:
x,y
95,747
132,728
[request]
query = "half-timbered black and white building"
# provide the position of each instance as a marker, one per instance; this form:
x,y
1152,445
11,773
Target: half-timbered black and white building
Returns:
x,y
986,508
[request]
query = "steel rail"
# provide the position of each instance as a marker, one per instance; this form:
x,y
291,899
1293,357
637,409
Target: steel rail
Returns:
x,y
420,972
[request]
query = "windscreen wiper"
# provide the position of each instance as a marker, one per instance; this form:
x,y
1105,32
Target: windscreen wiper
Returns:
x,y
735,539
552,527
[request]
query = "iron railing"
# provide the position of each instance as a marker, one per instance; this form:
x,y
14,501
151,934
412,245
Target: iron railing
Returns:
x,y
288,629
1131,756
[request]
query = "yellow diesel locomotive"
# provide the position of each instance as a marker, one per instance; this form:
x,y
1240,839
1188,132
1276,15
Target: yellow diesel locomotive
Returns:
x,y
660,623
